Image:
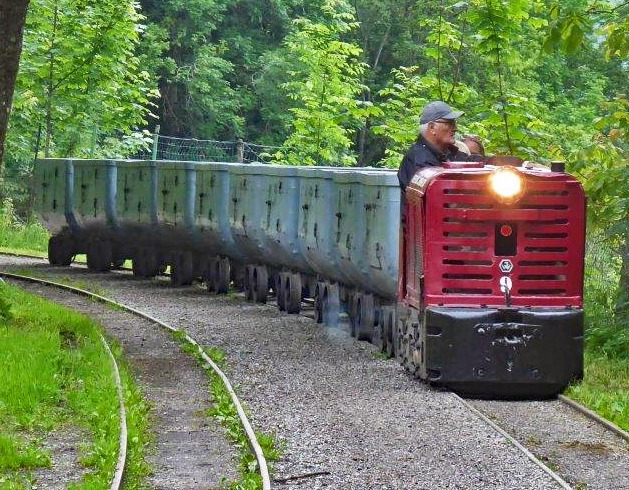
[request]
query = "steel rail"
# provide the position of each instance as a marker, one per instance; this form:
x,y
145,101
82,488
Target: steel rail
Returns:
x,y
595,417
506,435
121,463
253,441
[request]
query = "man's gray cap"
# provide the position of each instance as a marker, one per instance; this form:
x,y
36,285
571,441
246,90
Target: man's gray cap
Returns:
x,y
438,110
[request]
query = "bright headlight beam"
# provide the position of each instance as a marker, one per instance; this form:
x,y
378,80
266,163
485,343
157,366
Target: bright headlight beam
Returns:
x,y
506,183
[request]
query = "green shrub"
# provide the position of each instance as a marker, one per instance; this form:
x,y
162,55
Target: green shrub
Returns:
x,y
18,234
605,333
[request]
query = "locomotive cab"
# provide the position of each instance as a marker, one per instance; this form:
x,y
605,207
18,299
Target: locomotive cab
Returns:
x,y
490,288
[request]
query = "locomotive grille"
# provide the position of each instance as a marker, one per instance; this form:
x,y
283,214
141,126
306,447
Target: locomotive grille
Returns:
x,y
470,236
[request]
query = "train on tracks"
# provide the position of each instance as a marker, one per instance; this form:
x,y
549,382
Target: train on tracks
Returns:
x,y
479,288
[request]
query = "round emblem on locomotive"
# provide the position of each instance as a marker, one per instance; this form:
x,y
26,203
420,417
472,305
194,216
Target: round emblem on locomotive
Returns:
x,y
506,266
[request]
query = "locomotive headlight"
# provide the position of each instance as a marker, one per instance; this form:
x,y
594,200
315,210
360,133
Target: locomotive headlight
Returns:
x,y
506,184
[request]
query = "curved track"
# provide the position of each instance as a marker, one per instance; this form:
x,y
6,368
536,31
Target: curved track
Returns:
x,y
117,477
494,414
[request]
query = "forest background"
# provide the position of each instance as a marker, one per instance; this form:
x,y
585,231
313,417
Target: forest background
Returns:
x,y
340,83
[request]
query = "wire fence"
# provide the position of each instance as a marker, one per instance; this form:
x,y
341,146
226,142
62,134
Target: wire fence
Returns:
x,y
190,149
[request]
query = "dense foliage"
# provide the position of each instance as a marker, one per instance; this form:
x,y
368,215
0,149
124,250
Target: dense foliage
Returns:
x,y
338,83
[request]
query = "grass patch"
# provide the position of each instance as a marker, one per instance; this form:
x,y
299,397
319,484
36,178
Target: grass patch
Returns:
x,y
605,388
56,373
16,235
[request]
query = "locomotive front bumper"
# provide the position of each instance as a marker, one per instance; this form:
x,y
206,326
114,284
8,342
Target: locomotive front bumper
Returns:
x,y
507,353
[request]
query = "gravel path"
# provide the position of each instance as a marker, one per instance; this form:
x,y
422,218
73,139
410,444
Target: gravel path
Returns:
x,y
346,418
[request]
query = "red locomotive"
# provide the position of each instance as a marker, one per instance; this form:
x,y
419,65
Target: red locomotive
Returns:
x,y
490,284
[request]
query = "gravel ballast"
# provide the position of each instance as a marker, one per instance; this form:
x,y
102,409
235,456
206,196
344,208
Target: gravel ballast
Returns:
x,y
346,418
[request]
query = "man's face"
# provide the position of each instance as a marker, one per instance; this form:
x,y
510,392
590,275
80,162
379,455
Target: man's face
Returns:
x,y
442,133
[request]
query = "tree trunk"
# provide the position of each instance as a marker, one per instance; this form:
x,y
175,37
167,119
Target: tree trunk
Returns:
x,y
622,299
12,20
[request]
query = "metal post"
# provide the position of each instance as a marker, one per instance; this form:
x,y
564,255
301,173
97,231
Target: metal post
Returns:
x,y
240,151
155,143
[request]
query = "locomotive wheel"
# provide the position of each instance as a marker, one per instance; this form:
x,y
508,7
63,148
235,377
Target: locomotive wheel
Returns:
x,y
377,336
259,283
417,350
318,302
405,345
292,293
365,318
99,255
398,339
331,305
60,250
223,275
182,269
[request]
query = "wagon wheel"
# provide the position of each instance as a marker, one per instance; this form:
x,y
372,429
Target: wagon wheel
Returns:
x,y
60,250
292,293
99,255
182,269
259,284
209,275
377,337
144,263
279,290
153,263
318,302
331,305
138,264
117,263
353,312
365,318
223,275
247,282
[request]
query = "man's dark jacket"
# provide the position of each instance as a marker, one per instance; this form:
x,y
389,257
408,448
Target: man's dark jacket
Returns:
x,y
421,154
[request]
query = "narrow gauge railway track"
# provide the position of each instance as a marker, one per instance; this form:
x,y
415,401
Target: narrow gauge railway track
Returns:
x,y
592,457
116,479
